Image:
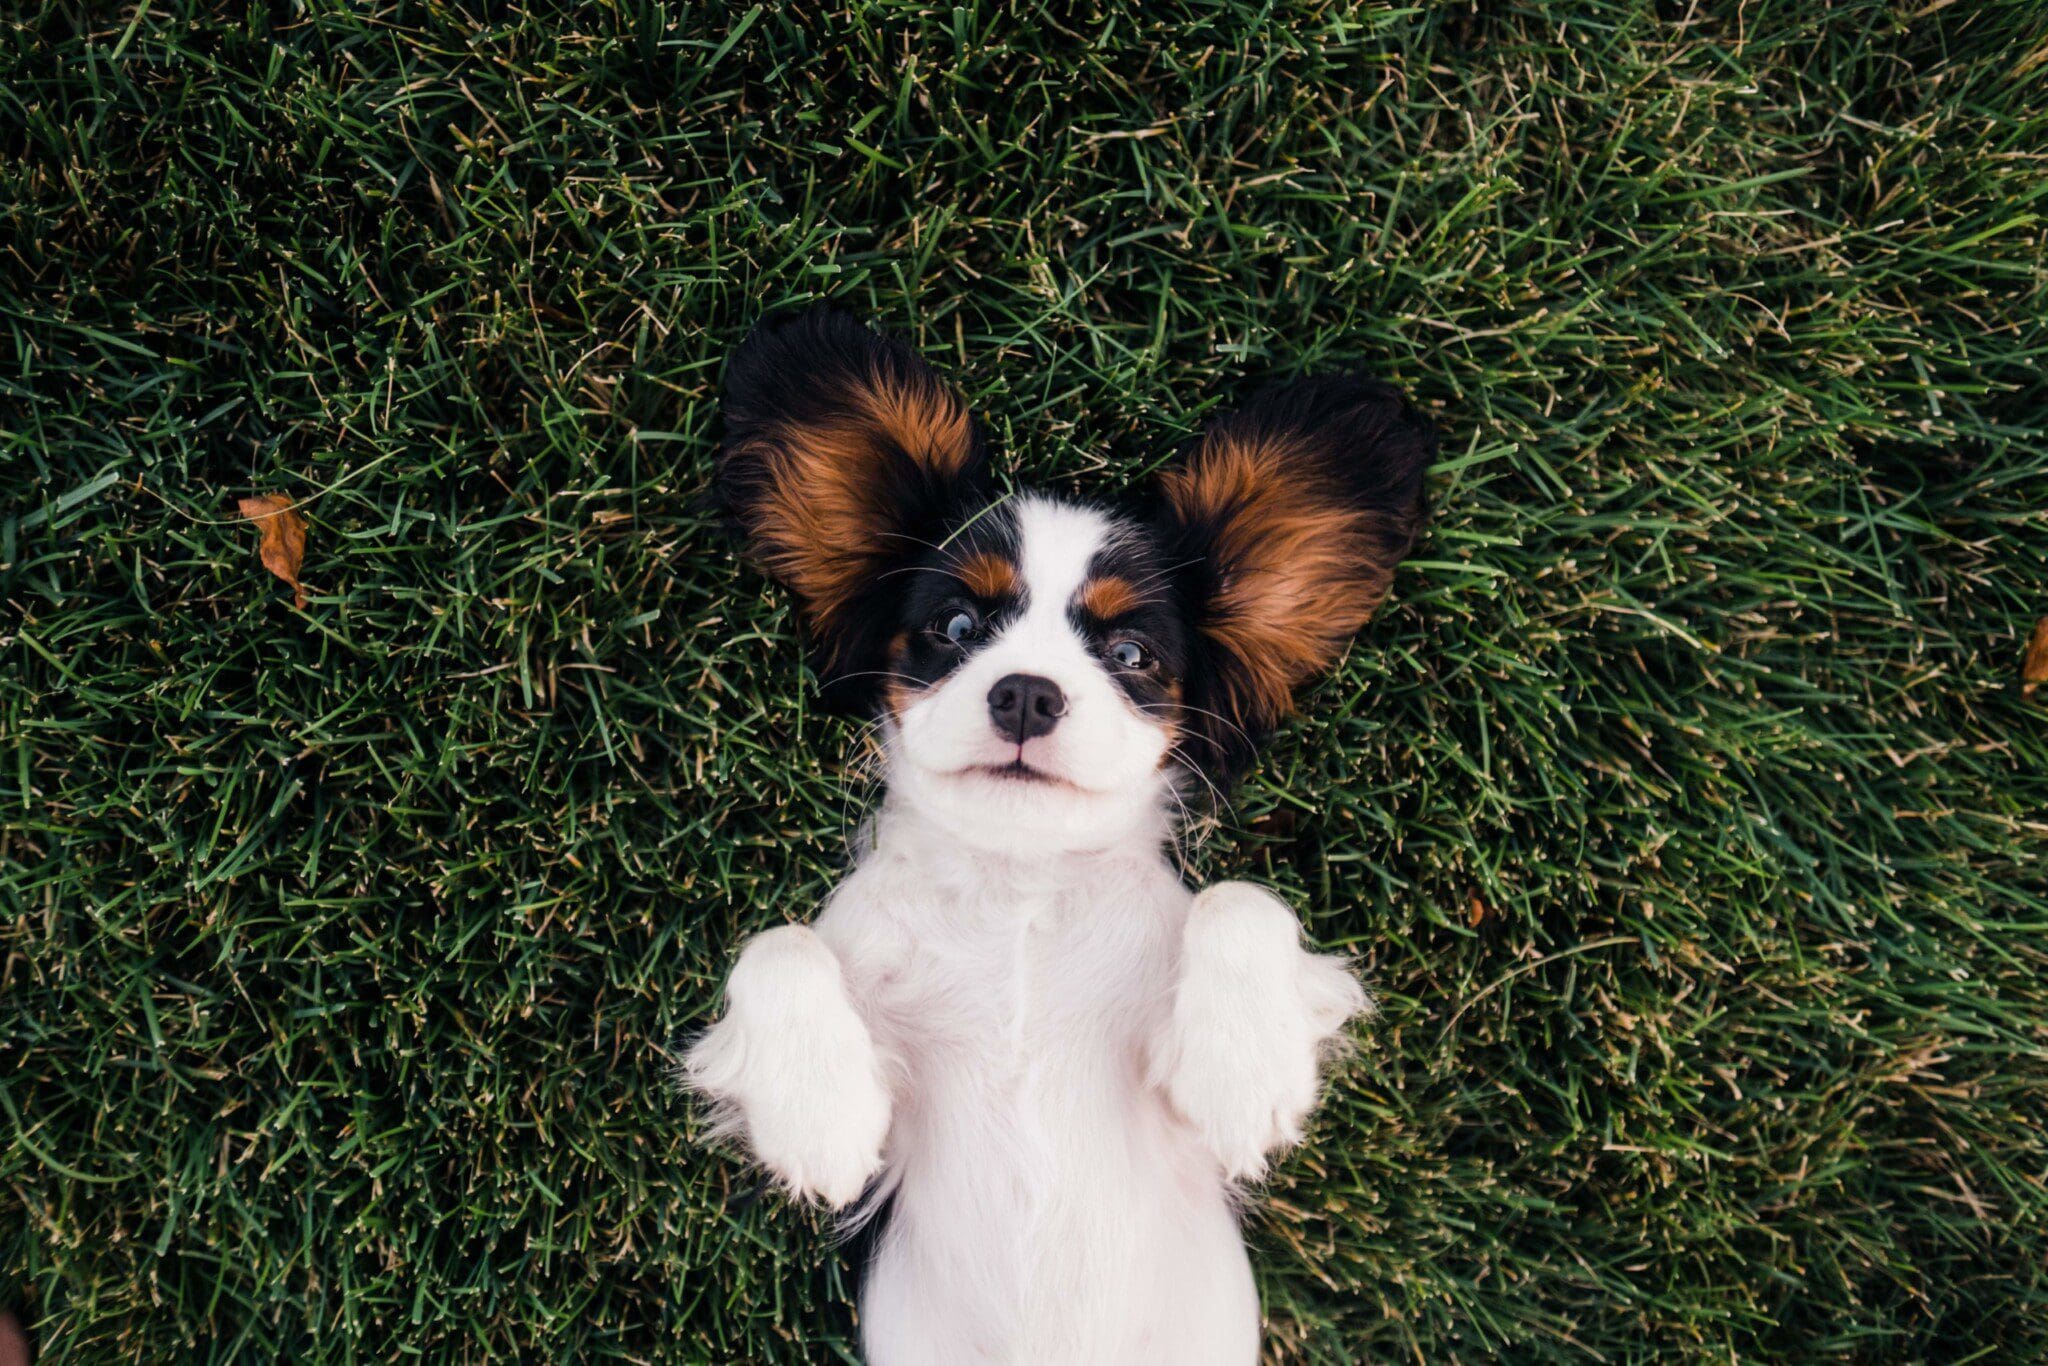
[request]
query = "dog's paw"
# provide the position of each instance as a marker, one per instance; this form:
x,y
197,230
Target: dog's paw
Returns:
x,y
792,1069
1240,1055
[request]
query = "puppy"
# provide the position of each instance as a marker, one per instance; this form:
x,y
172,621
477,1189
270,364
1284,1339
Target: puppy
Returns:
x,y
1012,1029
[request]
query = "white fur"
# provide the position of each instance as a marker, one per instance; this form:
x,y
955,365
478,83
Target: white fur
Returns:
x,y
1014,1017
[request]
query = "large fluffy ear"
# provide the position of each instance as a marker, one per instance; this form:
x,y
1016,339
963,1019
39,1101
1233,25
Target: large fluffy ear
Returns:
x,y
1287,519
845,458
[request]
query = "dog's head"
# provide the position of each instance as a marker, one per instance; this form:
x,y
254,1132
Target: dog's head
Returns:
x,y
1048,672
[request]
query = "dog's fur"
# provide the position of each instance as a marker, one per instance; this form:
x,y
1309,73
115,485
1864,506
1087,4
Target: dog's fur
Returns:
x,y
1012,1024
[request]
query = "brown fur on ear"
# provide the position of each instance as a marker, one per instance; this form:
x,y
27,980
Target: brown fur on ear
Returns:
x,y
1297,508
844,456
822,510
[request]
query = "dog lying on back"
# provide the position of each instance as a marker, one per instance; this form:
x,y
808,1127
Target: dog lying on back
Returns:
x,y
1012,1029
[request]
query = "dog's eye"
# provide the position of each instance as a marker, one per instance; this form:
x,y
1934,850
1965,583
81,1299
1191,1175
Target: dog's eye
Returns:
x,y
958,626
1129,654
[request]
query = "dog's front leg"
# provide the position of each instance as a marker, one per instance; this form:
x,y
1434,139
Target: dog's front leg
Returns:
x,y
791,1069
1253,1011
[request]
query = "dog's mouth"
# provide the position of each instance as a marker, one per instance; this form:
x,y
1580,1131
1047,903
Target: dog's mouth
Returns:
x,y
1017,771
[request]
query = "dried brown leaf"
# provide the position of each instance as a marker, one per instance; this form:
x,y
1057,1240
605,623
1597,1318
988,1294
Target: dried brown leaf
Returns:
x,y
283,546
2034,668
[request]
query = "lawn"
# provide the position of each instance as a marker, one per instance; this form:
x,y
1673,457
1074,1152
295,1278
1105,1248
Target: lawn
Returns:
x,y
1684,804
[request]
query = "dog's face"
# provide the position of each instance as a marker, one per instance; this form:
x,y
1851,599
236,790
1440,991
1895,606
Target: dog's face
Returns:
x,y
1053,676
1035,679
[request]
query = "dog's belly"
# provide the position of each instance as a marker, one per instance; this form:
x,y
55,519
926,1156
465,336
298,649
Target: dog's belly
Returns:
x,y
1048,1209
1150,1271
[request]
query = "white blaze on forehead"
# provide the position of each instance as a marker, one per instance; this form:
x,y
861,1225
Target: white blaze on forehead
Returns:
x,y
1056,544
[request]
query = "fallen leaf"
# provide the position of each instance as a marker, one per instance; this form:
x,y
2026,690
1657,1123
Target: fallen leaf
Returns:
x,y
284,538
2034,668
1476,912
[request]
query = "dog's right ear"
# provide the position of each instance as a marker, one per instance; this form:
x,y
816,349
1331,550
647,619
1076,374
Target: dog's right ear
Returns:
x,y
845,458
1285,522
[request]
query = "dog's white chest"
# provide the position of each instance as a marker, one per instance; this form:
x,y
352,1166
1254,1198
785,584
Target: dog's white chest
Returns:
x,y
1020,1010
1035,1172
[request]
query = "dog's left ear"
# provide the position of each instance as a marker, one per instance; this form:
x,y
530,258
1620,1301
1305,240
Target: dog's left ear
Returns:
x,y
845,458
1286,520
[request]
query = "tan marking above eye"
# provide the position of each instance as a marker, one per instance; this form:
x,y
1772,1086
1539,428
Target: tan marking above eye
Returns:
x,y
1108,597
987,575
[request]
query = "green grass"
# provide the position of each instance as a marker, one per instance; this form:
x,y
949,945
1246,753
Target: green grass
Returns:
x,y
340,949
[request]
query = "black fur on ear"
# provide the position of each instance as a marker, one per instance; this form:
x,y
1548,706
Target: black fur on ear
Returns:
x,y
1287,518
845,457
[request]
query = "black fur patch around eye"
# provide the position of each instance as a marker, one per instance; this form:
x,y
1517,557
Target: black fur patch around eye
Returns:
x,y
1128,595
975,569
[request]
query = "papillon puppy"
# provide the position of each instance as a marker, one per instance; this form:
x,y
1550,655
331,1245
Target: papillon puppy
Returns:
x,y
1013,1036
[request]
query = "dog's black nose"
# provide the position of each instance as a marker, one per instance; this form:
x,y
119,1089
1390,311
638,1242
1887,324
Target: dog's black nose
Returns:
x,y
1025,705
